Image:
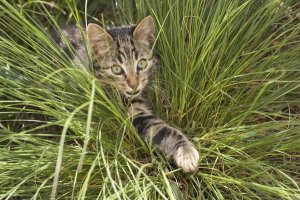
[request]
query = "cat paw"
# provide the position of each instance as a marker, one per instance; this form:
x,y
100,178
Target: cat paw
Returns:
x,y
187,158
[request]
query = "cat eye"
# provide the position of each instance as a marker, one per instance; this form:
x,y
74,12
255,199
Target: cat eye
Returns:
x,y
116,69
142,64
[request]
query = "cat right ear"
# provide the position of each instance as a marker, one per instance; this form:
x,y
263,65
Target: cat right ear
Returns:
x,y
145,31
99,40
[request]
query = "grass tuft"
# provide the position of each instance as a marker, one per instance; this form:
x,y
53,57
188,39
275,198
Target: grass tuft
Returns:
x,y
229,78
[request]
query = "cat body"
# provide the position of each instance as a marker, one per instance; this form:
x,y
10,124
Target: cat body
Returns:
x,y
124,56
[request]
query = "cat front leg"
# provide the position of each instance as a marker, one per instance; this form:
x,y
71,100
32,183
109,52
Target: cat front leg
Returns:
x,y
171,141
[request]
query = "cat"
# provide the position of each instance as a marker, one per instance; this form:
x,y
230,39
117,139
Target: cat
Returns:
x,y
124,56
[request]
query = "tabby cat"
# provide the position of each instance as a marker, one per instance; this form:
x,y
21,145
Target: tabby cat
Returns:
x,y
124,56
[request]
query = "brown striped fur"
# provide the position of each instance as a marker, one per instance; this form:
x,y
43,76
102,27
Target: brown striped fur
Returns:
x,y
117,55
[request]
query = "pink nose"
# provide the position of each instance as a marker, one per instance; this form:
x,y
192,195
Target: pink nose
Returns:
x,y
132,83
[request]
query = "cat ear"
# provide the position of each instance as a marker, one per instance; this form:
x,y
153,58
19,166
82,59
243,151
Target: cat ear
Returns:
x,y
99,40
144,32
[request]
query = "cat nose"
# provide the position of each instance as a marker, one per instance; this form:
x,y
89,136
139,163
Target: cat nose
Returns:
x,y
132,82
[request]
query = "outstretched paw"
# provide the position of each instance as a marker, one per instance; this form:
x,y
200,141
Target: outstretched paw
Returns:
x,y
187,158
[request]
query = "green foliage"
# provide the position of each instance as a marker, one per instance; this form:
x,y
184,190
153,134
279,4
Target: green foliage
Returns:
x,y
229,78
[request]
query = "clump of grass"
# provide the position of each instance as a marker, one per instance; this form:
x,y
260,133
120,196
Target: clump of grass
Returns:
x,y
229,78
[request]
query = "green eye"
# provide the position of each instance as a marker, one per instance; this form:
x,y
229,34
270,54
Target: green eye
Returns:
x,y
142,64
116,69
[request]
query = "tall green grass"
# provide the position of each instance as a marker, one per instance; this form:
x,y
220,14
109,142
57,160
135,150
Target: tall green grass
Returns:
x,y
229,78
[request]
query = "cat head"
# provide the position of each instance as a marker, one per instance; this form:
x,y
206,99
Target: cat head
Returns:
x,y
124,55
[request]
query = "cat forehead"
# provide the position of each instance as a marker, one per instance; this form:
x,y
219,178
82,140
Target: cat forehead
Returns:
x,y
123,37
121,32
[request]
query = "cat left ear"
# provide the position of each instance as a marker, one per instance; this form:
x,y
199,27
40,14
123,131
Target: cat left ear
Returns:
x,y
145,32
100,41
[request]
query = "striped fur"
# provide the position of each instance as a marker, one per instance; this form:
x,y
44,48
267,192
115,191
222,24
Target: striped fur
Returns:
x,y
118,54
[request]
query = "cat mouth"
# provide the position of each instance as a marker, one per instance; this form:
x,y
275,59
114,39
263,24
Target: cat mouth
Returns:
x,y
132,94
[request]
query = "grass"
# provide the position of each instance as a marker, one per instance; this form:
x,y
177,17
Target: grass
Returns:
x,y
229,78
